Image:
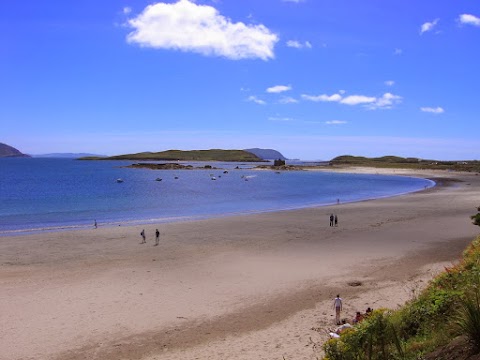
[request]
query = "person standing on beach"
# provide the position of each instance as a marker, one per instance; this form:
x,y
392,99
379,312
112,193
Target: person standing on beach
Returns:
x,y
331,219
336,220
157,237
337,304
142,234
95,224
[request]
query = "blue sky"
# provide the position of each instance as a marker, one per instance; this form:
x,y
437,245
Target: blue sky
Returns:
x,y
313,79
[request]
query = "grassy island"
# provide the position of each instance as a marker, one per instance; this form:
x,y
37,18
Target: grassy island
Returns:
x,y
190,155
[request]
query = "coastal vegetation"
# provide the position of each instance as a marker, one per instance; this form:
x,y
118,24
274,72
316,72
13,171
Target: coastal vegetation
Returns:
x,y
405,163
442,322
190,155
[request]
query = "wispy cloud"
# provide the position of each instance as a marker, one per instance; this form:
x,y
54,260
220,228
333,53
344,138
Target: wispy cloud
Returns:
x,y
299,45
469,19
428,26
335,122
189,27
127,10
386,101
437,110
322,98
397,51
389,83
281,119
278,89
256,100
288,100
294,1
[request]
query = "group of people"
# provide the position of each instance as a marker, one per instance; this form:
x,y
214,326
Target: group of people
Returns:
x,y
343,324
157,237
333,220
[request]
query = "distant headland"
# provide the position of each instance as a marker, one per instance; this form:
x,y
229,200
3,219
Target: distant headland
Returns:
x,y
10,151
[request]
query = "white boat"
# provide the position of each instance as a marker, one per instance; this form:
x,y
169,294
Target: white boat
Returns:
x,y
119,180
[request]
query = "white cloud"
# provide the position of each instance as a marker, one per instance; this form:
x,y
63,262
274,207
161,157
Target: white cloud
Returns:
x,y
385,102
287,100
357,99
127,10
341,92
187,26
469,19
428,26
294,1
323,98
298,45
397,52
389,83
256,100
335,122
278,89
437,110
285,119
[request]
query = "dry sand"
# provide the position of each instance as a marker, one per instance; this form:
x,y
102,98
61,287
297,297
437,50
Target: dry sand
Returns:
x,y
243,287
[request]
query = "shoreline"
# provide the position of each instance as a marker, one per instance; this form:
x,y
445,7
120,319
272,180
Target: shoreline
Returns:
x,y
139,222
251,286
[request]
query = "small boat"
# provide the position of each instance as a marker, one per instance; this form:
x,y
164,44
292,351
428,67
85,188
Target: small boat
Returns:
x,y
119,180
176,177
213,178
158,179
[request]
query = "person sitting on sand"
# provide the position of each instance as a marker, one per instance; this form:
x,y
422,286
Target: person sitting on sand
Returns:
x,y
368,311
358,317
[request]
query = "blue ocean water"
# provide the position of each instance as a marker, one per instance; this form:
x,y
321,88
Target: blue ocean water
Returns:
x,y
51,194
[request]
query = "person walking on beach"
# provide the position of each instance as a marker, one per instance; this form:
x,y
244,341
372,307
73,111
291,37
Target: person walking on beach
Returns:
x,y
95,224
331,219
337,305
336,220
157,237
142,234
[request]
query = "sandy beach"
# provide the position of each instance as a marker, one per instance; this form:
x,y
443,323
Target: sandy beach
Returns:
x,y
257,286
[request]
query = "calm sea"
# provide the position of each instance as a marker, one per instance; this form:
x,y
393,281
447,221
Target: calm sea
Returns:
x,y
52,194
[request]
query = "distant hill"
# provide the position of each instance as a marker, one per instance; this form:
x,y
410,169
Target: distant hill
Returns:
x,y
9,151
267,154
406,163
67,155
191,155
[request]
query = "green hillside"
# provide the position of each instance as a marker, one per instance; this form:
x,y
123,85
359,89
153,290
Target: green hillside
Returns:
x,y
405,163
191,155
